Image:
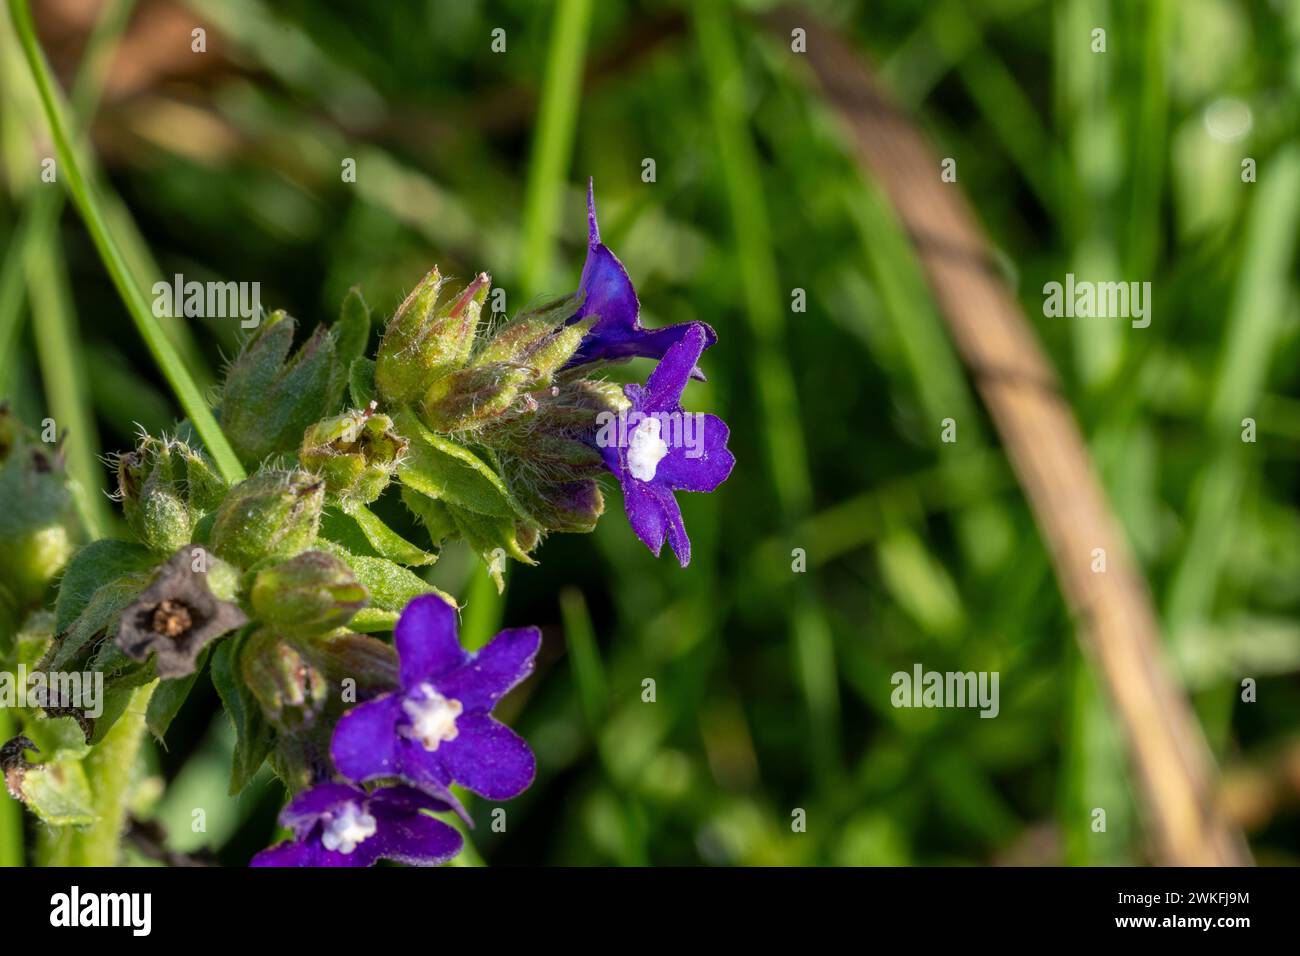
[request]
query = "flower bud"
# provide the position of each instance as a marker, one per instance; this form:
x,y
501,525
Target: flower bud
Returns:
x,y
356,453
472,396
538,339
527,535
550,452
358,666
291,692
273,514
311,594
37,521
165,487
565,506
425,340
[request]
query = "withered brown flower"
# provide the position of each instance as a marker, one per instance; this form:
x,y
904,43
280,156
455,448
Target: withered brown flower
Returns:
x,y
176,617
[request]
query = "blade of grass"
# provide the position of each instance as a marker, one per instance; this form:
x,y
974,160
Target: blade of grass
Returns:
x,y
63,371
1254,326
556,120
54,324
11,814
787,457
584,657
88,204
484,609
1085,112
593,696
11,304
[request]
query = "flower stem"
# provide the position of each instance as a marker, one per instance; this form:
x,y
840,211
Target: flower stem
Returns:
x,y
83,196
109,769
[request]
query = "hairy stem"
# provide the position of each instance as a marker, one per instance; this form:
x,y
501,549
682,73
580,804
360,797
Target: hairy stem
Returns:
x,y
109,769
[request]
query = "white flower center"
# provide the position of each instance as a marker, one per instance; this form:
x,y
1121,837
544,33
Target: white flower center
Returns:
x,y
433,717
646,450
347,827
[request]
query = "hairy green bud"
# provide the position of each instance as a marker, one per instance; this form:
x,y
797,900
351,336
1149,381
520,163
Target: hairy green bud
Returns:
x,y
273,514
165,487
426,339
270,398
468,398
291,692
37,520
310,594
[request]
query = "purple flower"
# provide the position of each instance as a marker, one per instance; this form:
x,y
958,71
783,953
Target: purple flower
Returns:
x,y
656,448
438,728
335,824
607,292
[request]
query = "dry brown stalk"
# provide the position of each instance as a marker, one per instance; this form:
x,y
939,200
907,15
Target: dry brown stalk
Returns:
x,y
1117,625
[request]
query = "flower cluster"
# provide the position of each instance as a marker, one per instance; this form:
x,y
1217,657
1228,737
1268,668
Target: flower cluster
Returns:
x,y
494,432
434,730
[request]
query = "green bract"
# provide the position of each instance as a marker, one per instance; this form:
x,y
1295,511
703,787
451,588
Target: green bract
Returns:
x,y
356,453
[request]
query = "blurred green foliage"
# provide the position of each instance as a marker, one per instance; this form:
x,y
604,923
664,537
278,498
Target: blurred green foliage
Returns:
x,y
771,687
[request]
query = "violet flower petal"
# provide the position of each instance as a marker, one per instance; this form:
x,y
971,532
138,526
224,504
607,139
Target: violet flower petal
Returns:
x,y
411,837
663,390
489,758
402,831
645,512
607,292
710,468
365,742
289,853
651,507
301,813
426,641
493,671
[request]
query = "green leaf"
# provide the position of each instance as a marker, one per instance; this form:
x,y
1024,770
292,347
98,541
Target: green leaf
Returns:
x,y
254,736
271,398
58,792
56,737
352,331
493,539
361,382
116,699
99,616
391,586
451,473
169,696
94,565
433,514
203,528
361,531
33,641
